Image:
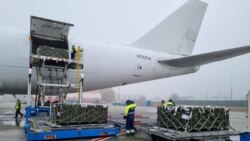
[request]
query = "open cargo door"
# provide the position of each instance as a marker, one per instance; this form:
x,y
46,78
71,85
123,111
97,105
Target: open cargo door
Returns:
x,y
46,28
49,38
48,33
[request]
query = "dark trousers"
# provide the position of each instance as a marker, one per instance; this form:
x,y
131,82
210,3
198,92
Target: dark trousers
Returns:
x,y
18,112
130,122
73,56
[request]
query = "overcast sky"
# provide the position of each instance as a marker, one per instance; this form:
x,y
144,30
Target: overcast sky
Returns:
x,y
226,25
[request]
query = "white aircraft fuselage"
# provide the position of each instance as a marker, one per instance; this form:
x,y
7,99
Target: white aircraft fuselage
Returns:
x,y
105,65
163,52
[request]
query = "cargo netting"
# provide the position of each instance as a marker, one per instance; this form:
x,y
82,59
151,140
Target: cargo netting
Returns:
x,y
193,118
52,52
64,114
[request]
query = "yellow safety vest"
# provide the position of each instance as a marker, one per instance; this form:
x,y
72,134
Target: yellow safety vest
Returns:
x,y
18,105
169,104
128,107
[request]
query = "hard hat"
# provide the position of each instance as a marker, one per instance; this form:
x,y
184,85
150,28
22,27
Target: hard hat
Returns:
x,y
128,102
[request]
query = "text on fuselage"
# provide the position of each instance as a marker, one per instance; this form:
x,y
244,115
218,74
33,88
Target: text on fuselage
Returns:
x,y
143,57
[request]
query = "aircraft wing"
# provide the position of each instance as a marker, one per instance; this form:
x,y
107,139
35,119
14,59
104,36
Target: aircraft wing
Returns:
x,y
201,59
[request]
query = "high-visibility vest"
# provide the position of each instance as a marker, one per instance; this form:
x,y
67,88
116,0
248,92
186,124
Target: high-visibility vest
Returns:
x,y
18,105
130,109
169,104
73,50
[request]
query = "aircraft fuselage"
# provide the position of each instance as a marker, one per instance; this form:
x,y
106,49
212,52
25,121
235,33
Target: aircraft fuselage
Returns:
x,y
105,65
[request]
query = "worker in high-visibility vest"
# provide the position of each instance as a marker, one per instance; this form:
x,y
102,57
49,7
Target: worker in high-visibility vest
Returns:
x,y
170,103
18,108
73,52
162,102
129,115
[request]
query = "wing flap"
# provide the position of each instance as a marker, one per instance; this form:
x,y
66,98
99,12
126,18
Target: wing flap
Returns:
x,y
201,59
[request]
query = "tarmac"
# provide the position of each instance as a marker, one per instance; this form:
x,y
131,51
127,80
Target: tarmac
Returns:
x,y
12,129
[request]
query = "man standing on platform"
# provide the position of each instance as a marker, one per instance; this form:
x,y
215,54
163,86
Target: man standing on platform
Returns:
x,y
73,52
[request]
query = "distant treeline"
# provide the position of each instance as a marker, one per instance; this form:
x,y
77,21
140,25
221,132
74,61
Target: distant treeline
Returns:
x,y
227,103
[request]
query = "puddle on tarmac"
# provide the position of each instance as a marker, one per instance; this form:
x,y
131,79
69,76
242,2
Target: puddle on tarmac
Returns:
x,y
17,123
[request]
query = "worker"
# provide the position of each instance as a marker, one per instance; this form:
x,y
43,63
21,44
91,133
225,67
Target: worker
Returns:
x,y
170,100
18,108
73,52
129,115
162,102
169,103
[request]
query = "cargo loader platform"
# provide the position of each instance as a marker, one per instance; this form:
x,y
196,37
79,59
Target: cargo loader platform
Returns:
x,y
41,129
159,133
50,59
156,133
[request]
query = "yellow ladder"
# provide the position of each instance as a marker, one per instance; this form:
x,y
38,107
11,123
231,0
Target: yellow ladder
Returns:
x,y
78,72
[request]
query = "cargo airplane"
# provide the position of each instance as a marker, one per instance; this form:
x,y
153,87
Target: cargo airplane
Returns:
x,y
163,52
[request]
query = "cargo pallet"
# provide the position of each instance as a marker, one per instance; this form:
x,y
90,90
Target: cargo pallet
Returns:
x,y
52,80
79,132
148,126
163,134
39,128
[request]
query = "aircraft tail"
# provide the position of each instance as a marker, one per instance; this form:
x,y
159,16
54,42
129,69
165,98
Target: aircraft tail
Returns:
x,y
178,32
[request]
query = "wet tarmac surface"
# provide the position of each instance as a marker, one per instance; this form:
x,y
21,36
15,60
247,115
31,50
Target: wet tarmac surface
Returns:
x,y
11,129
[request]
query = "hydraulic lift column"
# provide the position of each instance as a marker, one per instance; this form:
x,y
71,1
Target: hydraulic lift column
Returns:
x,y
248,111
29,88
246,135
81,86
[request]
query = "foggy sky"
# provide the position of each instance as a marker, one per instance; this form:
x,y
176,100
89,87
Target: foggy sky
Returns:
x,y
226,25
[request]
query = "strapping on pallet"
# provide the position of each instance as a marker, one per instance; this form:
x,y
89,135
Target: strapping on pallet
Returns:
x,y
193,118
52,52
64,114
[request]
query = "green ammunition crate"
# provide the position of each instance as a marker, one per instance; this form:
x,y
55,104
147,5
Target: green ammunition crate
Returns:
x,y
65,114
52,52
193,119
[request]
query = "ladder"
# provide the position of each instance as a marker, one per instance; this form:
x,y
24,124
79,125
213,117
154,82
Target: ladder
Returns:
x,y
78,73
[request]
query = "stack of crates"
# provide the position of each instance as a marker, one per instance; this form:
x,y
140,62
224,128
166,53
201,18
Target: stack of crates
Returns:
x,y
52,52
65,114
193,118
